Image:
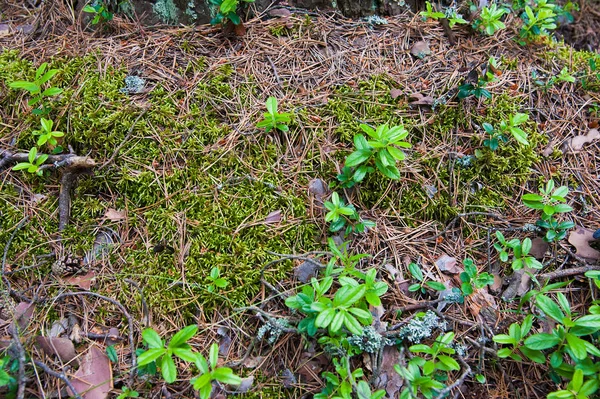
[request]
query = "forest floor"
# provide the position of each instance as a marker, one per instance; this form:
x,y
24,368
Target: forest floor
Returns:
x,y
169,207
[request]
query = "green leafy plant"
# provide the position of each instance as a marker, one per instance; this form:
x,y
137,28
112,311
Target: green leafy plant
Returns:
x,y
471,279
489,20
538,21
423,374
100,12
340,384
493,142
8,368
128,393
551,201
521,257
227,11
454,17
163,356
512,127
36,88
273,119
46,134
209,372
429,13
34,164
474,89
417,273
341,214
571,346
216,281
565,76
382,148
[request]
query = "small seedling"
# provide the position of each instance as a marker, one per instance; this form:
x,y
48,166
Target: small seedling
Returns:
x,y
216,281
35,88
34,164
454,17
490,19
472,279
47,135
551,202
341,215
227,11
209,372
417,274
163,356
382,149
538,21
493,142
100,12
512,127
521,257
430,14
273,119
128,393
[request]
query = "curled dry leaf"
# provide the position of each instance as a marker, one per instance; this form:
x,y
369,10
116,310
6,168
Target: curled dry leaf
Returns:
x,y
23,313
114,216
420,99
224,342
420,49
93,380
580,238
305,270
448,264
395,93
538,248
85,281
577,142
245,385
61,347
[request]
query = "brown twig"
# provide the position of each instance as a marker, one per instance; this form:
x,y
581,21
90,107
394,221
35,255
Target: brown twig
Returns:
x,y
567,272
58,375
21,357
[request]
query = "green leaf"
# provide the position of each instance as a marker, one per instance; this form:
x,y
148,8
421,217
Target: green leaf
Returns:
x,y
534,355
358,157
504,339
337,322
325,318
201,363
504,352
111,353
152,338
361,313
213,355
183,336
415,270
541,341
352,324
47,76
396,153
202,381
185,354
29,86
577,346
150,355
89,8
550,308
271,101
450,363
561,395
591,321
347,296
226,376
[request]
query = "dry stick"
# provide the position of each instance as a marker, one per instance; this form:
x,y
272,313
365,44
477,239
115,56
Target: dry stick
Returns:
x,y
125,313
567,272
127,136
56,374
274,71
22,381
64,200
419,305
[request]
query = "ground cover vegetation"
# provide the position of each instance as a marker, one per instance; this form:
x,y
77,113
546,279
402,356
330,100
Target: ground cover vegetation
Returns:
x,y
363,211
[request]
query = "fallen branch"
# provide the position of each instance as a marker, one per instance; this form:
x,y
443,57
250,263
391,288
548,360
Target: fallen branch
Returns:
x,y
58,375
567,272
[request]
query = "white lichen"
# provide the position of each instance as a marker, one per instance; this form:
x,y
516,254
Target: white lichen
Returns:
x,y
422,327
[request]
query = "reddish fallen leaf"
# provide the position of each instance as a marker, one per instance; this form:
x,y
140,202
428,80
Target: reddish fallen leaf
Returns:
x,y
388,378
395,93
448,264
420,49
61,347
580,238
538,248
93,380
84,281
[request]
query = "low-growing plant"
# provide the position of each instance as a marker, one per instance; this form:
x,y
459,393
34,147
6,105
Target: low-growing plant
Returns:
x,y
273,119
383,149
538,21
471,279
571,347
417,273
36,88
209,372
495,137
100,12
9,367
128,393
512,127
424,374
34,163
520,251
342,215
551,202
489,21
454,17
227,11
340,384
216,281
429,13
46,134
163,356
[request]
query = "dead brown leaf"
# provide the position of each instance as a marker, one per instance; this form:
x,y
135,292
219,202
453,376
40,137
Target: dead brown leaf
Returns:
x,y
388,378
61,347
580,238
273,217
395,93
84,281
93,380
420,49
420,99
23,313
577,142
114,216
448,264
538,248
